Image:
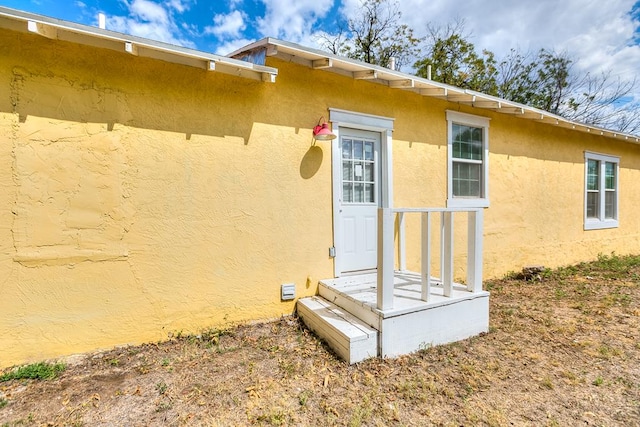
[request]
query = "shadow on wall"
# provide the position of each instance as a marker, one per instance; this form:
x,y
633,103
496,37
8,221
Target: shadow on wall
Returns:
x,y
65,81
204,106
311,162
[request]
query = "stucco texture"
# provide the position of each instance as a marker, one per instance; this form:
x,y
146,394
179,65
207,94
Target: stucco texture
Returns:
x,y
140,198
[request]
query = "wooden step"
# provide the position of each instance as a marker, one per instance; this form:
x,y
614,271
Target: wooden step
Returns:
x,y
348,336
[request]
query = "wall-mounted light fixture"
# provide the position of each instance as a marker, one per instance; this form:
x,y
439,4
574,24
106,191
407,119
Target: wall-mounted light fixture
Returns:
x,y
321,131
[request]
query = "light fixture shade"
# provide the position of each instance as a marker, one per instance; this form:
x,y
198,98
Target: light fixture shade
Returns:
x,y
323,133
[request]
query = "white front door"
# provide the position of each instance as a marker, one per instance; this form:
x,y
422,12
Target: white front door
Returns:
x,y
359,199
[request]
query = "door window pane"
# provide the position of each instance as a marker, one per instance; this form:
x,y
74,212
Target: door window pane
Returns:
x,y
358,171
358,168
347,170
347,192
368,172
358,153
346,149
358,193
369,193
368,150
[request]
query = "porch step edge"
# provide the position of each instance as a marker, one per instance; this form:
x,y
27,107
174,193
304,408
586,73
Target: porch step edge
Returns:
x,y
351,339
360,309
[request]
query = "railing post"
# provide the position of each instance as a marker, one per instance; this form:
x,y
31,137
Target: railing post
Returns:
x,y
426,255
447,253
402,248
474,251
385,259
442,246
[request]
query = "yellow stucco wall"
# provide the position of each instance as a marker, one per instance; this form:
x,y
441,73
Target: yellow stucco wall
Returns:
x,y
537,197
140,198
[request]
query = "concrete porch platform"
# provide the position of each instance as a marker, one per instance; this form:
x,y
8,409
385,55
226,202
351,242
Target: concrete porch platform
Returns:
x,y
412,324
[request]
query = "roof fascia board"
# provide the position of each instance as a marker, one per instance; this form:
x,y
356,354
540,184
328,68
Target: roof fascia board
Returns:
x,y
97,37
396,79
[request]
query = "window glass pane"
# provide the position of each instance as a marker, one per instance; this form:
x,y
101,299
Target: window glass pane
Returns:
x,y
456,150
369,193
474,188
461,150
357,150
347,170
464,188
467,142
467,180
463,172
592,205
358,193
346,148
358,171
476,135
593,168
476,150
610,204
368,150
347,192
457,130
609,176
358,168
368,172
601,193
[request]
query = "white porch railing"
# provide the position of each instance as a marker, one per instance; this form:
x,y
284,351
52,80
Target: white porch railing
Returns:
x,y
386,250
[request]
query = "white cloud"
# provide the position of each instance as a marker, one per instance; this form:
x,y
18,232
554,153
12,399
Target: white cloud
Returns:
x,y
230,46
149,11
179,5
151,20
292,21
597,36
229,25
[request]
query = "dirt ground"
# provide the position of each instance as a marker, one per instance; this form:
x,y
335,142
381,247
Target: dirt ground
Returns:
x,y
562,350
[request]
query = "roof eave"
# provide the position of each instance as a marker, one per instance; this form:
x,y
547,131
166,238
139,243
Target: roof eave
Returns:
x,y
98,37
318,59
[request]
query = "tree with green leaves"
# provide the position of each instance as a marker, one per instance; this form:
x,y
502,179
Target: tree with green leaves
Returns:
x,y
449,58
546,80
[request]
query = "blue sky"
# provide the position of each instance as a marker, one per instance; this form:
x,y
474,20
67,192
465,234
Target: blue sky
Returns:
x,y
600,35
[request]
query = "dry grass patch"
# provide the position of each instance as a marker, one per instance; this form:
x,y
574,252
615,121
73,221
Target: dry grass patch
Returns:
x,y
562,350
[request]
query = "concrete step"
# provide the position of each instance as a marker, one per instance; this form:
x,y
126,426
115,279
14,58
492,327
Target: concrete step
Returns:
x,y
348,336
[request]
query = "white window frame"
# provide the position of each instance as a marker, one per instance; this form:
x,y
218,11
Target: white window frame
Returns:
x,y
601,222
475,121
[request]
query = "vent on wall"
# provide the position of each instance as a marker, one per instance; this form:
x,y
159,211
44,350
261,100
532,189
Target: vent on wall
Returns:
x,y
288,291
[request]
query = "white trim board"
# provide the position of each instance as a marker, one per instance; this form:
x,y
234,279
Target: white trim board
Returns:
x,y
354,120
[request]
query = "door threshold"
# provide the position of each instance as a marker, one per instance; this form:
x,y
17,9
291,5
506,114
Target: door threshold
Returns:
x,y
358,272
